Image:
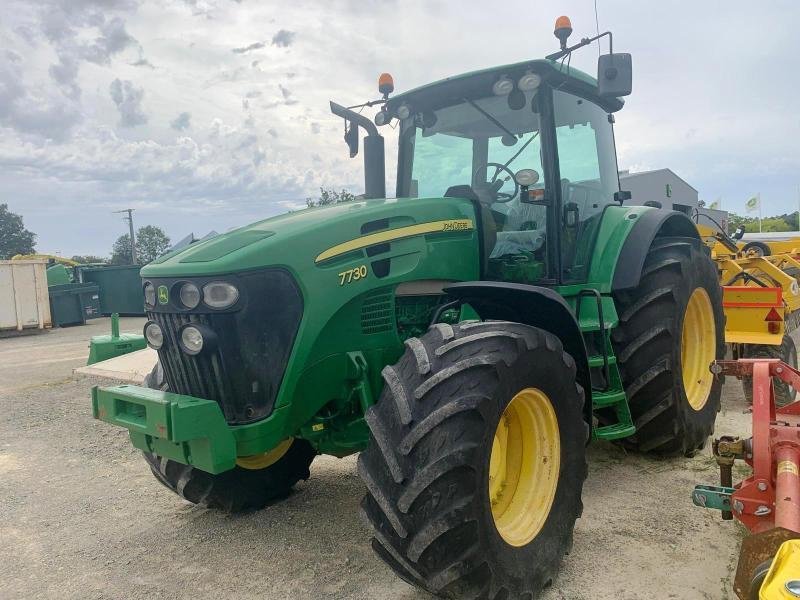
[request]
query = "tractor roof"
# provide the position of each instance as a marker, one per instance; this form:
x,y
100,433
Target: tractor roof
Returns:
x,y
445,91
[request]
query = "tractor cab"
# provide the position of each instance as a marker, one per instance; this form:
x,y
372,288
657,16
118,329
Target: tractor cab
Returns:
x,y
536,153
531,144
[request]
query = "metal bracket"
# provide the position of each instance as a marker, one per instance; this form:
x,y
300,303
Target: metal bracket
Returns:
x,y
713,496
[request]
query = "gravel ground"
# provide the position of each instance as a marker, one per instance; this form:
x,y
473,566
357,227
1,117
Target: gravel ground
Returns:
x,y
81,516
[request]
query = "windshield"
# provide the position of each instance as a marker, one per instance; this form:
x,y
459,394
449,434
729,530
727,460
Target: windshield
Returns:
x,y
475,148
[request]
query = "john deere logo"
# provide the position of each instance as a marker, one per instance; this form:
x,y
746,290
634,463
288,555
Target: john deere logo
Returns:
x,y
163,294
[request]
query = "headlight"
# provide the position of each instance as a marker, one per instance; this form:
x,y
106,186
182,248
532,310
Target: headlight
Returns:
x,y
529,81
403,111
218,294
149,294
503,86
192,340
154,335
190,295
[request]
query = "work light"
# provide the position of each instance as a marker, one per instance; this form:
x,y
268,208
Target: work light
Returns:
x,y
219,294
529,81
503,86
154,335
190,295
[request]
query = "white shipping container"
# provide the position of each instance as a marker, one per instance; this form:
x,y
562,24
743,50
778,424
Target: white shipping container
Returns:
x,y
24,301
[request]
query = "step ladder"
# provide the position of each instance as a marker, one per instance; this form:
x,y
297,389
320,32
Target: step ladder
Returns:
x,y
611,395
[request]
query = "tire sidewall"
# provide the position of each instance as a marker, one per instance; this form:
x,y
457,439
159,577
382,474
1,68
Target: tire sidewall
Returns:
x,y
542,371
701,274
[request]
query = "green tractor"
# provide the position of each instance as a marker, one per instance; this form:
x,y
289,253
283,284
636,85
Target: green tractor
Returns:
x,y
469,337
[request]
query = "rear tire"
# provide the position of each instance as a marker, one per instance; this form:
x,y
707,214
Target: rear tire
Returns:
x,y
236,490
787,352
678,286
431,464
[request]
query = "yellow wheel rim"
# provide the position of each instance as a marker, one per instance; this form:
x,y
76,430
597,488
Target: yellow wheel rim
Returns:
x,y
698,348
265,459
524,466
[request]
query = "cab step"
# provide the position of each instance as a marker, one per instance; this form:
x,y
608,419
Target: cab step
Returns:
x,y
614,432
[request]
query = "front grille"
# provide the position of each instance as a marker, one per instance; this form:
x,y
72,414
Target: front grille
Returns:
x,y
254,340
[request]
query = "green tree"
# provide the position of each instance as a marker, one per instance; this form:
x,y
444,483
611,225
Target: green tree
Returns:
x,y
121,251
151,242
330,196
14,238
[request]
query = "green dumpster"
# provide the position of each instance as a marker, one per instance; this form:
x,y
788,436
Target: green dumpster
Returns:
x,y
73,303
120,289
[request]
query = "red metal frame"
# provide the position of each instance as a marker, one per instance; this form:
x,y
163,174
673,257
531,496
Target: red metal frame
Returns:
x,y
770,497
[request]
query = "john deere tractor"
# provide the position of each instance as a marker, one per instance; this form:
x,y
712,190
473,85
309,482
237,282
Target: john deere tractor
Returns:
x,y
468,337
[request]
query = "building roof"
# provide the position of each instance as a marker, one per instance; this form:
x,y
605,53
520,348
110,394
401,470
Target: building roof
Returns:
x,y
627,174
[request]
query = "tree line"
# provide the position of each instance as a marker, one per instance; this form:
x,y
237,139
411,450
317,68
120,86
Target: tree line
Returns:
x,y
15,238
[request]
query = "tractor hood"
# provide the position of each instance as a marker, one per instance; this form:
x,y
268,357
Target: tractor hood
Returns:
x,y
305,239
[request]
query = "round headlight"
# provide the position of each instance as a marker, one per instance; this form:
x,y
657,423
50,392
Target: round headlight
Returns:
x,y
154,335
381,117
403,111
526,177
503,86
529,81
190,295
149,294
218,294
191,340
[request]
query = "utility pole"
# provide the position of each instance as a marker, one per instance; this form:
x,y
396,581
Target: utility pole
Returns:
x,y
129,219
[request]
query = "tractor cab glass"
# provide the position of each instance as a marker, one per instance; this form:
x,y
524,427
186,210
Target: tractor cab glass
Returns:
x,y
588,171
475,148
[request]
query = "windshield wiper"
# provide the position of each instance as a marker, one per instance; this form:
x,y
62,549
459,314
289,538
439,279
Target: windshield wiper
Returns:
x,y
491,118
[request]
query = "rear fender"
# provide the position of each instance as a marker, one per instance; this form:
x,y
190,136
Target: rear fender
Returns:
x,y
649,225
531,305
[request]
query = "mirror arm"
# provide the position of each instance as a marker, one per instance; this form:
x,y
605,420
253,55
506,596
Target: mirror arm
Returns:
x,y
581,44
354,117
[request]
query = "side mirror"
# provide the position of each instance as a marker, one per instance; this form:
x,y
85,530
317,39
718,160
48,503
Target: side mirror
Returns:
x,y
351,138
614,75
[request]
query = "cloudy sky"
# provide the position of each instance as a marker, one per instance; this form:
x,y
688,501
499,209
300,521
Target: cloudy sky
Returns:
x,y
206,114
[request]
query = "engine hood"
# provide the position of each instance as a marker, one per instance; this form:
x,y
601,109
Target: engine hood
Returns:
x,y
297,240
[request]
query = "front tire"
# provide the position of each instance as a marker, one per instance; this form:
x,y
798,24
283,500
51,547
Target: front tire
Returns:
x,y
251,485
671,328
476,461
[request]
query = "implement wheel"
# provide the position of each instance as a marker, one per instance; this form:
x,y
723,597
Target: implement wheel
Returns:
x,y
252,484
787,352
476,461
671,328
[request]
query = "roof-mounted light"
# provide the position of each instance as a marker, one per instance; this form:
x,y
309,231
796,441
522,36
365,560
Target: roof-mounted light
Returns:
x,y
503,86
403,111
385,84
563,30
529,82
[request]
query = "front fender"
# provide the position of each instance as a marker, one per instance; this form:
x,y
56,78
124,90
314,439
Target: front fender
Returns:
x,y
532,305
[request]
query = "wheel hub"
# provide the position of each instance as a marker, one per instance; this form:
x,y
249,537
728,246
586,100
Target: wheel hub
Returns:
x,y
524,466
698,348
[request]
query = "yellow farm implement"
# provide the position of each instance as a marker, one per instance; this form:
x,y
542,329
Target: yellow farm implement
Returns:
x,y
761,301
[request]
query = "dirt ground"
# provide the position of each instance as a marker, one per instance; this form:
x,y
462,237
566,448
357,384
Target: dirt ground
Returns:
x,y
81,516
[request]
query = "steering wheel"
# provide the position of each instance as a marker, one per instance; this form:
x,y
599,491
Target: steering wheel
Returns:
x,y
496,183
